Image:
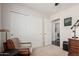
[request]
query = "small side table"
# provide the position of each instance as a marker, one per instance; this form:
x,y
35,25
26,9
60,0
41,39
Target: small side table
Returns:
x,y
65,45
9,52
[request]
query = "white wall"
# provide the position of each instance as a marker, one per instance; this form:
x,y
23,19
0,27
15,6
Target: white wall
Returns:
x,y
66,32
27,28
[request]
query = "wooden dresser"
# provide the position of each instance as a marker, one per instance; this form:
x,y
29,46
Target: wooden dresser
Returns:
x,y
73,47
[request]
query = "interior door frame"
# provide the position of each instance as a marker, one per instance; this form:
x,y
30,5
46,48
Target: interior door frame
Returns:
x,y
53,30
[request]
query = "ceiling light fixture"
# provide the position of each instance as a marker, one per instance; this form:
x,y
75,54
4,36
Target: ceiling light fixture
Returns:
x,y
56,4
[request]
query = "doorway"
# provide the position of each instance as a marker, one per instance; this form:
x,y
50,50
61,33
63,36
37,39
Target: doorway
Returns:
x,y
56,32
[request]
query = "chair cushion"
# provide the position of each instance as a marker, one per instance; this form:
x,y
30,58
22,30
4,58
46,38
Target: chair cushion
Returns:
x,y
16,42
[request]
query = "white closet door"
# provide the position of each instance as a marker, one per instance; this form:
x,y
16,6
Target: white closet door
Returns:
x,y
27,28
47,31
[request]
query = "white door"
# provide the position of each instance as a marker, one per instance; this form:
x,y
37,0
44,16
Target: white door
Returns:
x,y
47,31
27,28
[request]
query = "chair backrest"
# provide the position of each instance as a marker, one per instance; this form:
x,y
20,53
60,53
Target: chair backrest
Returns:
x,y
10,44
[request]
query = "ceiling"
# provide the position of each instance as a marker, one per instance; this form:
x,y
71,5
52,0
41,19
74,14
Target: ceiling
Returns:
x,y
49,8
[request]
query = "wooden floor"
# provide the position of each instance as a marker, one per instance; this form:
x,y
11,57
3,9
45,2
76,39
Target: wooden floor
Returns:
x,y
51,50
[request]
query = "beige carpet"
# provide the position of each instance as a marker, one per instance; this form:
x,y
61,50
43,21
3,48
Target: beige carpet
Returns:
x,y
49,51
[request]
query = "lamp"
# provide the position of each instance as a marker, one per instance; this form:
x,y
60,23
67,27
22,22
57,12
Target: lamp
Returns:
x,y
4,30
75,26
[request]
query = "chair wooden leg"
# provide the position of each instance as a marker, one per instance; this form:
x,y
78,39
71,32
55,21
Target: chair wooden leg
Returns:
x,y
24,52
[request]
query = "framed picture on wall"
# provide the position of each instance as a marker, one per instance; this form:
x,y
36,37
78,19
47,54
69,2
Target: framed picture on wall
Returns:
x,y
68,21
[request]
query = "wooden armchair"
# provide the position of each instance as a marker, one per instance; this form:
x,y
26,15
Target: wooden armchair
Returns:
x,y
14,43
20,45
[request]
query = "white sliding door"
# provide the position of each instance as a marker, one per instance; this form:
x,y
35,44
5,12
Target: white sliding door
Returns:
x,y
27,28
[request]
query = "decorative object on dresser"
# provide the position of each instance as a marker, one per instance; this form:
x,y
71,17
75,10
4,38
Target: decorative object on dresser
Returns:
x,y
73,47
74,27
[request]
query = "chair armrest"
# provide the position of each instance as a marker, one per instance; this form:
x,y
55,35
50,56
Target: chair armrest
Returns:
x,y
27,43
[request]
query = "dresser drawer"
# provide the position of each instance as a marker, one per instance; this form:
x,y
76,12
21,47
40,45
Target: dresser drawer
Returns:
x,y
74,52
73,47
